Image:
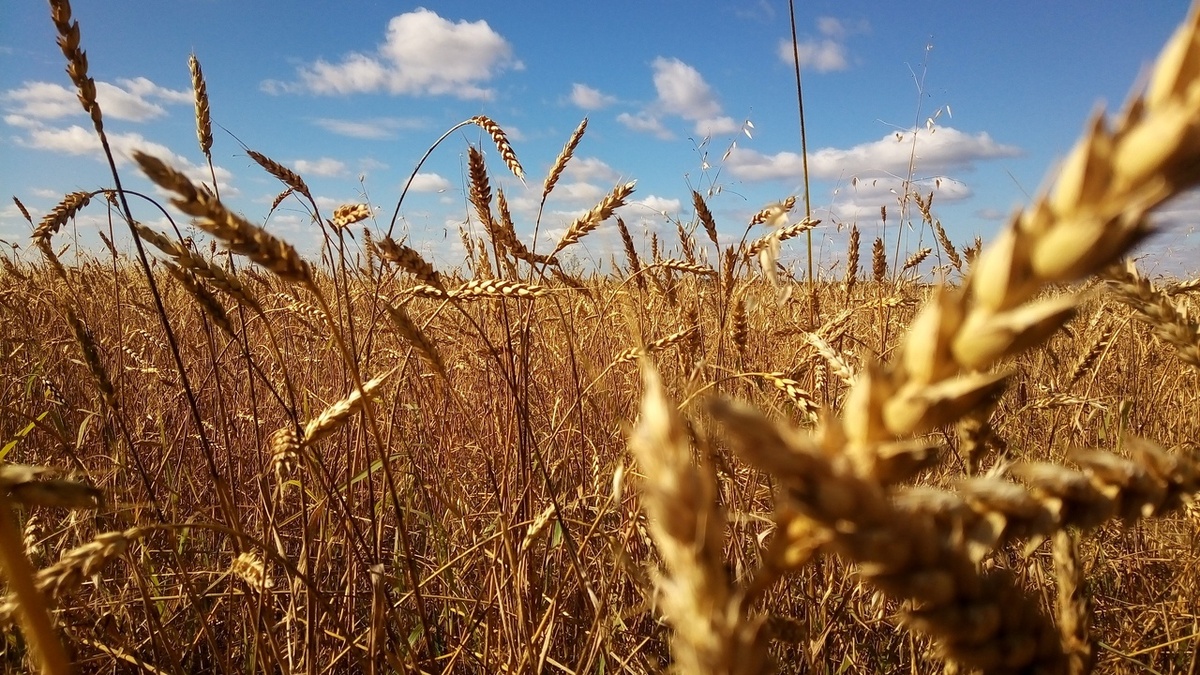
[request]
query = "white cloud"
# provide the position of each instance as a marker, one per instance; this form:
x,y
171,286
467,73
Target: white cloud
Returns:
x,y
429,182
645,122
717,126
579,193
78,141
937,151
588,98
682,91
827,53
378,128
663,205
590,169
823,56
325,166
422,54
131,101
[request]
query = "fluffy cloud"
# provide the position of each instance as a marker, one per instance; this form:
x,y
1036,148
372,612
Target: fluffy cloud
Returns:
x,y
78,141
663,205
133,100
422,54
938,150
827,53
429,182
681,92
645,122
591,169
325,166
378,128
588,98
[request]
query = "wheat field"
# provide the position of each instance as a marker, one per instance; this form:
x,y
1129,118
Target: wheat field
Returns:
x,y
221,456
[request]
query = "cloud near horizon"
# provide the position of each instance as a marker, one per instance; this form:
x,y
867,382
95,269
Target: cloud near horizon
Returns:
x,y
938,151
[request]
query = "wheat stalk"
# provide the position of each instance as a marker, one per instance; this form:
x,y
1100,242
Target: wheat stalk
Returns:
x,y
564,156
213,217
589,221
502,144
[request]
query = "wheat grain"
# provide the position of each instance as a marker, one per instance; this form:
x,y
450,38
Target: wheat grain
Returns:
x,y
564,156
502,145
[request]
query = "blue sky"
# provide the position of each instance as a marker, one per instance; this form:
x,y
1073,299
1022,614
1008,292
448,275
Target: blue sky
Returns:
x,y
351,94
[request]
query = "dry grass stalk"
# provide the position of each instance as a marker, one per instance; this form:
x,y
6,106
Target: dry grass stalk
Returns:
x,y
348,214
285,175
502,145
333,417
564,156
203,116
213,217
58,216
1168,321
589,221
713,632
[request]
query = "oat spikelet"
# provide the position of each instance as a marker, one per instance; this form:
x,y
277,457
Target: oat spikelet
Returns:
x,y
60,214
348,214
713,632
598,214
560,162
203,118
285,175
213,217
502,145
